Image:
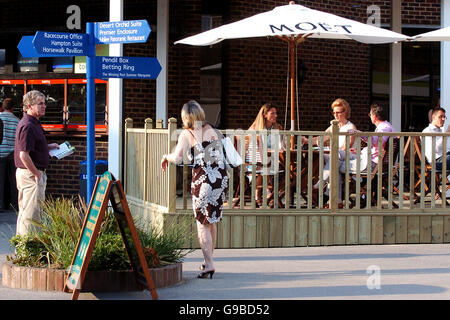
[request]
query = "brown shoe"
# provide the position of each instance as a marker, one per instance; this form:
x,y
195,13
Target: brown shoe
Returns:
x,y
315,197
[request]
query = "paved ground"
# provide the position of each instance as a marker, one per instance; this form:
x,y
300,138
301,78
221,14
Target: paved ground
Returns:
x,y
337,272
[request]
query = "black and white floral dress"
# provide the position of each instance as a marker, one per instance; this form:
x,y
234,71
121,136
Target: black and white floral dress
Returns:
x,y
209,181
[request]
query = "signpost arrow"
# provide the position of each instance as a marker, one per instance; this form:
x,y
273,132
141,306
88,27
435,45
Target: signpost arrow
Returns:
x,y
27,50
61,44
127,67
130,31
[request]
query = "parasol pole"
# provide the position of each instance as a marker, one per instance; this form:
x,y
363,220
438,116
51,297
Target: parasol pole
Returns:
x,y
292,78
292,41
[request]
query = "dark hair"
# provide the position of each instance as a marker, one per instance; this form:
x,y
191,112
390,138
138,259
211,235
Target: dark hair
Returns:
x,y
436,110
8,104
378,111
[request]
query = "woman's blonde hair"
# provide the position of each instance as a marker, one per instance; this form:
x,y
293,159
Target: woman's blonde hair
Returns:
x,y
344,104
192,115
260,121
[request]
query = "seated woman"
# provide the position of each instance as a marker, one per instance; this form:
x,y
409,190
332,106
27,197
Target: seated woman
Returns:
x,y
341,112
265,120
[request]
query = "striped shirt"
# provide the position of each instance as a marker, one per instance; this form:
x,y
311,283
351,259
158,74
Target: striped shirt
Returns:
x,y
10,122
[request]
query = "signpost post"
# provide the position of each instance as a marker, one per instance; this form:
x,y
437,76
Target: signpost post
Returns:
x,y
55,44
90,112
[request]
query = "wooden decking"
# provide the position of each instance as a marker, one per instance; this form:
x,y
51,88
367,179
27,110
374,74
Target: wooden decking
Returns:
x,y
264,228
421,218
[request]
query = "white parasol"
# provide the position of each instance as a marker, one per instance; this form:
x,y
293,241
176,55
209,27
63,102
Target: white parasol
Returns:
x,y
294,23
436,35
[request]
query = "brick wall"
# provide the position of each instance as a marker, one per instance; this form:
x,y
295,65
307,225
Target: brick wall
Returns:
x,y
421,12
64,175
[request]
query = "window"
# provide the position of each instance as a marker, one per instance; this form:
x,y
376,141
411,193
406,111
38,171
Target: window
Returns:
x,y
13,89
76,96
420,79
66,102
54,95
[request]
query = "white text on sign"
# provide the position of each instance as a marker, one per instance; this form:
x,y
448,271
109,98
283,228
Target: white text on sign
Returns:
x,y
111,32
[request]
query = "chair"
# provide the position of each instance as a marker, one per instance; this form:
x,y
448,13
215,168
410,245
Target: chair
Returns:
x,y
389,185
405,168
369,181
259,172
426,176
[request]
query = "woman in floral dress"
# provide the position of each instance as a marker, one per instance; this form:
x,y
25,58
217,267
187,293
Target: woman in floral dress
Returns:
x,y
200,142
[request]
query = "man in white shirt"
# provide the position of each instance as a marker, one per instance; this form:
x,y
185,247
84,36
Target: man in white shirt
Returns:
x,y
436,126
377,117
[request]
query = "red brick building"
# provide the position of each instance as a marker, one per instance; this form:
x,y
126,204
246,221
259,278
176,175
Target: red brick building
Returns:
x,y
234,77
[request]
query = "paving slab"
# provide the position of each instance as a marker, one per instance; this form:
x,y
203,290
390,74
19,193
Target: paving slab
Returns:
x,y
365,272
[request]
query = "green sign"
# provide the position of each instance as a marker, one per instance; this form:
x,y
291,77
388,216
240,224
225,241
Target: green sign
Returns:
x,y
89,229
108,190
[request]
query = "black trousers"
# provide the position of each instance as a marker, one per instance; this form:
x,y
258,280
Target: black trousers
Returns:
x,y
8,187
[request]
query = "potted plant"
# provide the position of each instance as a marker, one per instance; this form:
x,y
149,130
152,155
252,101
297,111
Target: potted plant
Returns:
x,y
53,245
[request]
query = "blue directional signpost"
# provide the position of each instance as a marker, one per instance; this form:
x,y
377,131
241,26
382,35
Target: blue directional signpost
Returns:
x,y
56,44
61,44
133,31
127,67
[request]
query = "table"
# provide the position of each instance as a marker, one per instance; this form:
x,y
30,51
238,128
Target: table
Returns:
x,y
309,175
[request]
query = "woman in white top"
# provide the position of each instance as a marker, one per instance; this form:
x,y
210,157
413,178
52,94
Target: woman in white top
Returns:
x,y
341,112
265,120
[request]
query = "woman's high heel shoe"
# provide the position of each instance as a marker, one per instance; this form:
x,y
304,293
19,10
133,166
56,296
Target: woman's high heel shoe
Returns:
x,y
204,275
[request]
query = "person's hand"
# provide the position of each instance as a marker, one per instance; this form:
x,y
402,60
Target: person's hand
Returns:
x,y
52,146
164,162
37,177
353,150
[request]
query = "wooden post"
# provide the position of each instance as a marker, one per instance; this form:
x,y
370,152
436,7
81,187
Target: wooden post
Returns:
x,y
147,126
334,165
171,170
128,125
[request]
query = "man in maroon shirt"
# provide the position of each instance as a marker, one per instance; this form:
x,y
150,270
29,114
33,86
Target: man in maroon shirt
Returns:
x,y
31,157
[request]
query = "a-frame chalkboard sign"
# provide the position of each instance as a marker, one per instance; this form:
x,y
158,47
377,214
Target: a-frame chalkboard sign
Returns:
x,y
107,189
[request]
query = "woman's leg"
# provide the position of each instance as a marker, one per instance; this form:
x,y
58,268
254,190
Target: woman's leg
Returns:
x,y
325,172
258,191
205,237
213,236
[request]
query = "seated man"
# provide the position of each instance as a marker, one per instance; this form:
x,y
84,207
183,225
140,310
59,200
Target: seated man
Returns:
x,y
378,119
437,126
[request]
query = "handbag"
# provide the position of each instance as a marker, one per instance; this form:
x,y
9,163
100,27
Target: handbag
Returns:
x,y
232,157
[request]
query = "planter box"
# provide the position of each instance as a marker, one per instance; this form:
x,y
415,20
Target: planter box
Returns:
x,y
46,279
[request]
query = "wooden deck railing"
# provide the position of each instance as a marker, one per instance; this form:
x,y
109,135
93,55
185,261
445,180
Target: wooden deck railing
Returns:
x,y
404,202
403,181
143,176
